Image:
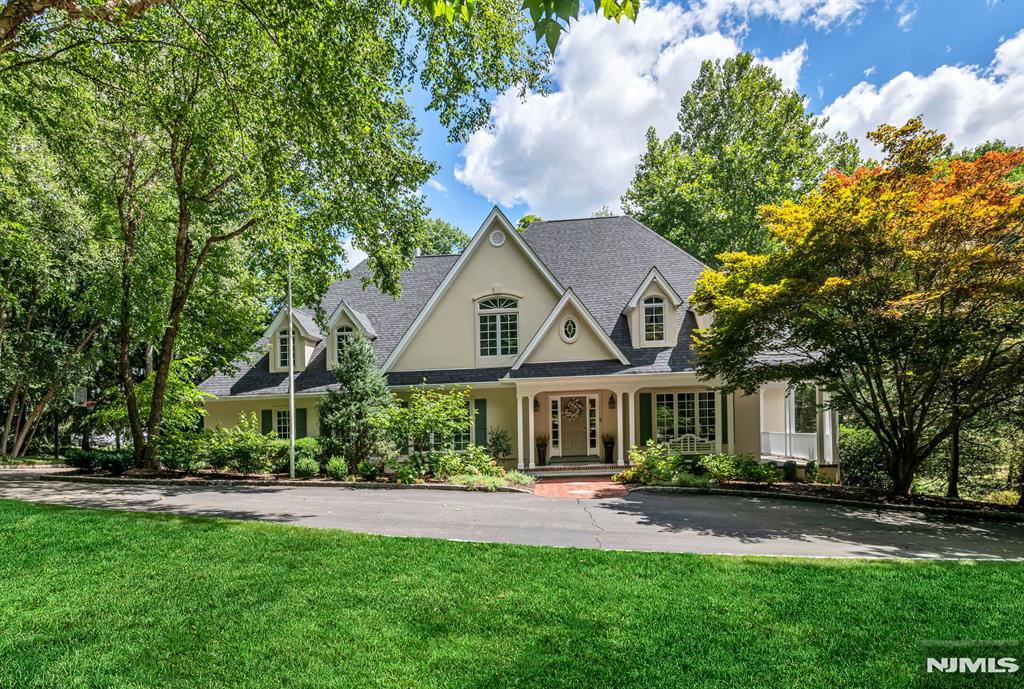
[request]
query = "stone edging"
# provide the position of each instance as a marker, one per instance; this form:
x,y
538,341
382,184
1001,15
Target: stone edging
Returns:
x,y
948,511
273,482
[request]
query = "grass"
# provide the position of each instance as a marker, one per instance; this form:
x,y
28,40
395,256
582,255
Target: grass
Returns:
x,y
114,599
31,460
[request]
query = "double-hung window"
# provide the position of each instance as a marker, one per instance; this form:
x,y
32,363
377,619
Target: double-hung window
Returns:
x,y
685,413
340,334
282,423
654,319
498,326
284,348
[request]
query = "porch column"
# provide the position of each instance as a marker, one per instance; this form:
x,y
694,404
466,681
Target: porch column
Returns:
x,y
761,436
519,430
819,408
730,403
620,409
633,418
531,438
718,422
787,420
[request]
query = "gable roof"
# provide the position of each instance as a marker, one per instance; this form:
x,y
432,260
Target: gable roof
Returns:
x,y
569,298
357,317
602,260
654,276
511,235
301,318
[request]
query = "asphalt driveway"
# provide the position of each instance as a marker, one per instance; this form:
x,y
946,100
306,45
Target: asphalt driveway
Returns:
x,y
636,521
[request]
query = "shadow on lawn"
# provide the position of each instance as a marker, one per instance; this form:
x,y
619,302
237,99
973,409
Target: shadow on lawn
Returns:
x,y
870,532
138,497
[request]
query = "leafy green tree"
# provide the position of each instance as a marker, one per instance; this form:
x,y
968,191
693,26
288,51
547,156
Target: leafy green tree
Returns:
x,y
430,419
223,143
525,221
899,287
346,411
743,141
441,237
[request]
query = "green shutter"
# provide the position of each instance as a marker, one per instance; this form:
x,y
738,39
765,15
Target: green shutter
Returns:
x,y
646,419
723,428
480,422
300,422
267,421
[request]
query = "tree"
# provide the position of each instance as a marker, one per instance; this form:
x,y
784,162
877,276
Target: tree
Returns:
x,y
525,221
223,142
743,141
429,420
346,411
441,237
894,286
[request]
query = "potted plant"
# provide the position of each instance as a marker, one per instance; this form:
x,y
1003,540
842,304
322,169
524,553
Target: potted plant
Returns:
x,y
609,448
542,450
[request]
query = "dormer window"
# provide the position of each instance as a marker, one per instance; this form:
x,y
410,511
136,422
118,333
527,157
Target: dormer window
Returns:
x,y
340,334
498,326
283,348
654,319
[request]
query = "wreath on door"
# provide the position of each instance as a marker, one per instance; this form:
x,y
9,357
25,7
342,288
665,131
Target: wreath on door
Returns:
x,y
573,408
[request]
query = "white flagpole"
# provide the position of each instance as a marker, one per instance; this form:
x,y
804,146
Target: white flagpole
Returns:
x,y
291,378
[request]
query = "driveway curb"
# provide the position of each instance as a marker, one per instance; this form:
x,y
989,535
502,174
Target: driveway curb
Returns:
x,y
110,480
947,511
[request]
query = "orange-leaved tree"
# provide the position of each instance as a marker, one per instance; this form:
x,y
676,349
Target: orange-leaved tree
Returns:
x,y
901,288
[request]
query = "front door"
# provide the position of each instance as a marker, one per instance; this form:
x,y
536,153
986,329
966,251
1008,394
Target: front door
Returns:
x,y
574,426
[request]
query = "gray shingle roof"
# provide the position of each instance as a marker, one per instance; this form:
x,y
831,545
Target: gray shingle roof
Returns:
x,y
603,260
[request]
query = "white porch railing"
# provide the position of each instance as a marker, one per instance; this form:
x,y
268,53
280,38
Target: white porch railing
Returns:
x,y
801,445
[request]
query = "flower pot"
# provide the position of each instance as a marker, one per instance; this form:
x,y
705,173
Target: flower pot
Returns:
x,y
609,450
542,454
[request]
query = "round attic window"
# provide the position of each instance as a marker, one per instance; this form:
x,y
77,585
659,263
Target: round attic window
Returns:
x,y
570,330
497,238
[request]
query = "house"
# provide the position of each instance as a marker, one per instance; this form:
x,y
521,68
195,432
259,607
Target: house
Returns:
x,y
574,329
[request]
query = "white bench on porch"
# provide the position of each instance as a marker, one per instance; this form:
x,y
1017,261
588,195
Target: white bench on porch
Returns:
x,y
689,444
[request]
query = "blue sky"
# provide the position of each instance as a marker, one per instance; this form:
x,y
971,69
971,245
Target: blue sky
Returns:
x,y
868,62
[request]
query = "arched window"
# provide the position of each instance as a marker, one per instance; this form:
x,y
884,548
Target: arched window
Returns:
x,y
654,319
498,326
283,347
340,334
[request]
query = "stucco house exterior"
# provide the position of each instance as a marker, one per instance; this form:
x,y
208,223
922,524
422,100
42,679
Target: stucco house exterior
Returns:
x,y
574,330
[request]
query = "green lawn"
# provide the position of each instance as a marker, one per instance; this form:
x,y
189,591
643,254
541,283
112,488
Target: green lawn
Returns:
x,y
107,599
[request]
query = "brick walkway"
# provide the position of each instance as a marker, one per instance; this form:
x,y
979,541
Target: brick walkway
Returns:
x,y
578,488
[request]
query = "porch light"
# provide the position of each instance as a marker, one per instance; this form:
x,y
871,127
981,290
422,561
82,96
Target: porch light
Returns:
x,y
611,401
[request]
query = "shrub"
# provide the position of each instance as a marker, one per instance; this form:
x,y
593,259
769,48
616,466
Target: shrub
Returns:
x,y
518,478
478,481
499,443
651,464
861,461
789,471
761,473
337,469
83,460
685,479
369,470
811,471
405,472
184,451
306,467
719,468
115,461
220,453
1003,497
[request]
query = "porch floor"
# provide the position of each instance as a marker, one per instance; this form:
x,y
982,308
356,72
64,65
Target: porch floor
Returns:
x,y
574,466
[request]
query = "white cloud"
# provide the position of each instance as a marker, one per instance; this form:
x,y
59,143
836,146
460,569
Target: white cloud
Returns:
x,y
575,150
436,185
906,15
869,71
967,103
821,14
353,256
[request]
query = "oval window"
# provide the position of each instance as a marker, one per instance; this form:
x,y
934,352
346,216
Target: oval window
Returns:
x,y
570,330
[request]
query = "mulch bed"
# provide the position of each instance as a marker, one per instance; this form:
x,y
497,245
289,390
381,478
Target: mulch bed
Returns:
x,y
824,490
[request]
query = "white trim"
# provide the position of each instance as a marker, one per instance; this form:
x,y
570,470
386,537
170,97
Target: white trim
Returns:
x,y
654,275
278,324
498,358
561,330
358,319
589,396
620,409
570,298
510,233
519,431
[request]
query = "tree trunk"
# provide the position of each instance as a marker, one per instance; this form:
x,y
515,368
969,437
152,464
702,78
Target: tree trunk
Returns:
x,y
953,490
55,386
12,406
